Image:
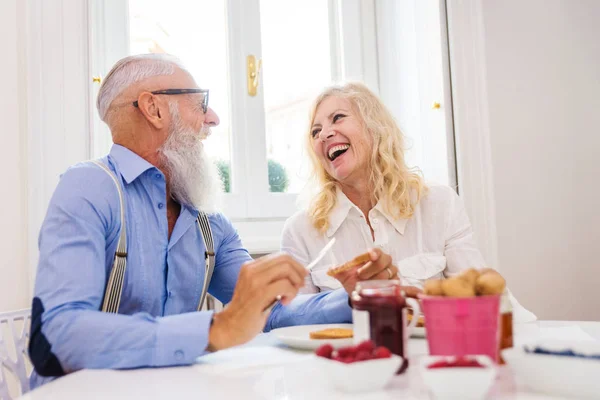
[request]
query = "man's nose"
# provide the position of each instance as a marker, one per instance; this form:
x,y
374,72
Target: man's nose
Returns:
x,y
211,118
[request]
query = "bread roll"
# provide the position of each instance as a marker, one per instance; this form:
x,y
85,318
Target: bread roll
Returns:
x,y
457,287
433,287
470,275
490,283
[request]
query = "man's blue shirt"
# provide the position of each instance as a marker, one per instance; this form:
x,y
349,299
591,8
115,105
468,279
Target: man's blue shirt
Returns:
x,y
157,324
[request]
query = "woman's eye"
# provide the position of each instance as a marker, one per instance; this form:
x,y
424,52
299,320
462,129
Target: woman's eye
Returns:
x,y
336,117
315,132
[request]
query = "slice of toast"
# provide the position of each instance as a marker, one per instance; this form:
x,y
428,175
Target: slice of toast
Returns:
x,y
332,333
355,262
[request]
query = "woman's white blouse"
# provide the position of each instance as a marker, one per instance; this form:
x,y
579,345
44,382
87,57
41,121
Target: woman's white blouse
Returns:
x,y
436,242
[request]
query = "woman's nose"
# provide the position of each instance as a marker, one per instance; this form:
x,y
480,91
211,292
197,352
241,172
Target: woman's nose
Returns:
x,y
326,134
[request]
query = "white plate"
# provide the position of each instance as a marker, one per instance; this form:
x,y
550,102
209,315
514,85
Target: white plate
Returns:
x,y
298,336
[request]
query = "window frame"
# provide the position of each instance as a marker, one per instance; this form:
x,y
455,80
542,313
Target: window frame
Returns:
x,y
61,97
249,171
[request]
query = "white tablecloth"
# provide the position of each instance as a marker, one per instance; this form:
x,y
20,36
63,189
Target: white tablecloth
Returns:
x,y
265,369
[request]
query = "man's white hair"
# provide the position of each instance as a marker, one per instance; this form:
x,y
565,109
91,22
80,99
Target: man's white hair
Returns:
x,y
130,70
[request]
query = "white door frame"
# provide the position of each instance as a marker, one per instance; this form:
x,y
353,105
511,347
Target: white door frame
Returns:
x,y
471,121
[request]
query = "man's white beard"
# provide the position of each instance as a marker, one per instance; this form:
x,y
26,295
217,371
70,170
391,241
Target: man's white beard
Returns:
x,y
193,179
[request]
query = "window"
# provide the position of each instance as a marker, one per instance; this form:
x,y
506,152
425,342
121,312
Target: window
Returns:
x,y
364,40
259,144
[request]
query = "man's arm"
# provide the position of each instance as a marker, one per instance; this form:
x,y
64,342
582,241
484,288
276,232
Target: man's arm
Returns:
x,y
307,309
68,332
320,308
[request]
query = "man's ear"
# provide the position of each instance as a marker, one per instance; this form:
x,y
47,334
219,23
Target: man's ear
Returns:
x,y
150,108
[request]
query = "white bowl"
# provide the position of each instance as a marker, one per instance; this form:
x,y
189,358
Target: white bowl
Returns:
x,y
557,375
463,383
361,376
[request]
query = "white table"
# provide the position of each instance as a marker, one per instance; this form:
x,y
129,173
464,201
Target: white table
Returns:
x,y
264,369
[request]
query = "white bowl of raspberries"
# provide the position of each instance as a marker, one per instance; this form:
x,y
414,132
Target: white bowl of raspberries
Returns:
x,y
359,368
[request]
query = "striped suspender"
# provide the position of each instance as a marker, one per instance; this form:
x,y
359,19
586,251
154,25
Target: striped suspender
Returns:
x,y
114,287
209,254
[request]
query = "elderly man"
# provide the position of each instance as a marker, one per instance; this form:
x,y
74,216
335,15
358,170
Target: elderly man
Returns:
x,y
130,243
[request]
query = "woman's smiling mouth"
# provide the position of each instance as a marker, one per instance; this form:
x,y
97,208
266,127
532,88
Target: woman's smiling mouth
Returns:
x,y
336,151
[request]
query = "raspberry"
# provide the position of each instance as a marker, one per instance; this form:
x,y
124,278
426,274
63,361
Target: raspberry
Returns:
x,y
367,346
382,352
363,355
466,362
438,364
324,351
460,362
349,351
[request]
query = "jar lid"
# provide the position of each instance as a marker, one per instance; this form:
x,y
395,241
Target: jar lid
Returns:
x,y
379,287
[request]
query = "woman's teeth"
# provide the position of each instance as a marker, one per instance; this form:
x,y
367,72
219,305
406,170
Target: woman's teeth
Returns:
x,y
337,151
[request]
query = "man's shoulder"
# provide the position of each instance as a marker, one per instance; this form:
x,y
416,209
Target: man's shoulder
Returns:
x,y
85,181
87,171
221,225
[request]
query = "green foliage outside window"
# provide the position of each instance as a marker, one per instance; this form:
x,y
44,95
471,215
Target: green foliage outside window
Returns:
x,y
278,180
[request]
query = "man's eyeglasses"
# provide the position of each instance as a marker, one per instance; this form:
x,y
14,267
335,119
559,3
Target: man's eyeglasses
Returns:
x,y
182,91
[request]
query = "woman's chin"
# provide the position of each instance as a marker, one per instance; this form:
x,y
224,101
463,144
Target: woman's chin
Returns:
x,y
340,174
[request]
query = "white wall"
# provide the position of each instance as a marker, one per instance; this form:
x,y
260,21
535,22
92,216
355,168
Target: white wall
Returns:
x,y
45,128
14,285
542,73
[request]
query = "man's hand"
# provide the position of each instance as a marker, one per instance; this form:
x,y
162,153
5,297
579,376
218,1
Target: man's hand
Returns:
x,y
259,283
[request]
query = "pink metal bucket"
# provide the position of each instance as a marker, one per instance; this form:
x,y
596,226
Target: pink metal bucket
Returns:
x,y
462,326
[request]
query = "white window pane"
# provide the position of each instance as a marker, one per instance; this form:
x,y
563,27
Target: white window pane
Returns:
x,y
297,65
196,32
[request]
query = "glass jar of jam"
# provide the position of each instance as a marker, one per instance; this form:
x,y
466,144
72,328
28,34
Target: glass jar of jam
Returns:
x,y
379,310
506,325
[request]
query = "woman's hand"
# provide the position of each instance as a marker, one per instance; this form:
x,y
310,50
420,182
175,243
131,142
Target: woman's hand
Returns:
x,y
379,267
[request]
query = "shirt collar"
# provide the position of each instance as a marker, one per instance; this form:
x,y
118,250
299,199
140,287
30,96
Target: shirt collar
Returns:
x,y
339,213
398,223
130,165
343,207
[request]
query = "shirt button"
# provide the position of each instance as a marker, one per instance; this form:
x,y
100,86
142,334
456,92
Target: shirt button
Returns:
x,y
374,220
160,205
157,176
179,355
170,294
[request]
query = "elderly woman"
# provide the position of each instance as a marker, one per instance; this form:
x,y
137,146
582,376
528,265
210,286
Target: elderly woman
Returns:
x,y
369,199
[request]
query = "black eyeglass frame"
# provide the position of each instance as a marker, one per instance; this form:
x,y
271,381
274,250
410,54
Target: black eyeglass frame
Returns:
x,y
181,91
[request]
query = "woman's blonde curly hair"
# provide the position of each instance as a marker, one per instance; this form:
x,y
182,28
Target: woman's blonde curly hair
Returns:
x,y
399,187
